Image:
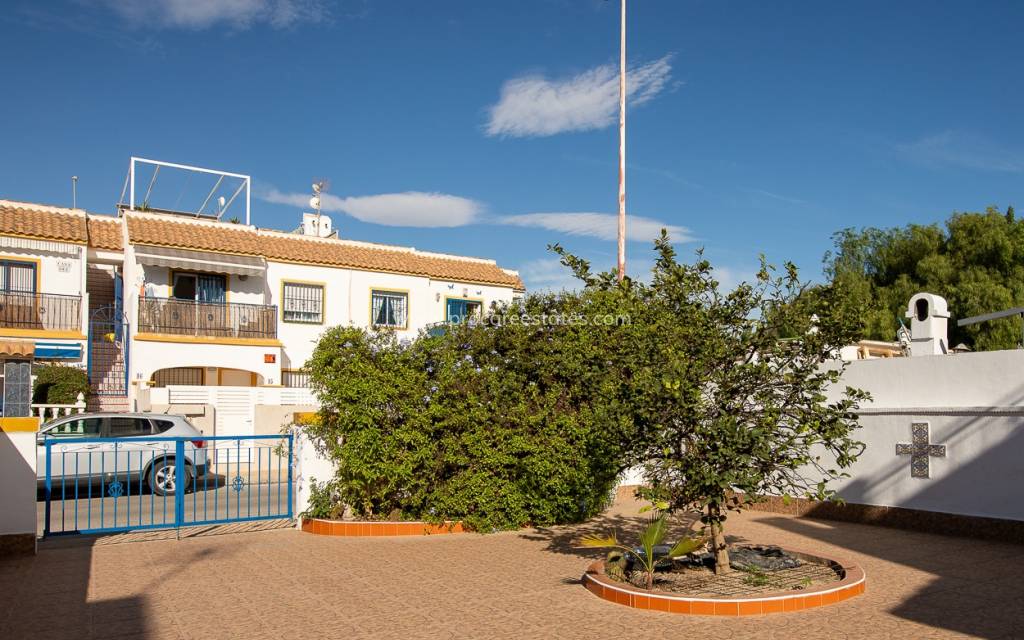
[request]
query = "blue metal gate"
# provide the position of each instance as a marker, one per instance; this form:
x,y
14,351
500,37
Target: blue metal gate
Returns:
x,y
100,485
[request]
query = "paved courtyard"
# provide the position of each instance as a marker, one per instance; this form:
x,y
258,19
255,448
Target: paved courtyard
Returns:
x,y
281,583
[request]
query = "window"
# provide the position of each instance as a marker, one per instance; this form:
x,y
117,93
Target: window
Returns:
x,y
302,302
178,375
17,276
162,426
295,379
125,426
78,428
389,309
458,310
202,287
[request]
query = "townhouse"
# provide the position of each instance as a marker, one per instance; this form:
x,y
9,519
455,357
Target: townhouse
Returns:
x,y
174,311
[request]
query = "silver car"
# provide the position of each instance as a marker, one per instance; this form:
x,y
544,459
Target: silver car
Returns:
x,y
76,458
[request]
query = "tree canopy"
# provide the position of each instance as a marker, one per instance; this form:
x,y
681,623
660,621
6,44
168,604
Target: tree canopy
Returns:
x,y
729,409
975,261
531,415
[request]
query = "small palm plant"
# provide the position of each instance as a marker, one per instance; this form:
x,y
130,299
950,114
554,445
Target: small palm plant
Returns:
x,y
652,536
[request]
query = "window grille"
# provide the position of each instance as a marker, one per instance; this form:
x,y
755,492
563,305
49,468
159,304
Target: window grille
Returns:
x,y
303,303
390,309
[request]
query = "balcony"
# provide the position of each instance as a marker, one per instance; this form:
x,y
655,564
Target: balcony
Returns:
x,y
169,316
25,310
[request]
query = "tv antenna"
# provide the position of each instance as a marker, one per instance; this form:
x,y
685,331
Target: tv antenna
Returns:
x,y
320,186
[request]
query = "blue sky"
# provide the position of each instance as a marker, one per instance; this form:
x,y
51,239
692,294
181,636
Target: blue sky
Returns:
x,y
453,125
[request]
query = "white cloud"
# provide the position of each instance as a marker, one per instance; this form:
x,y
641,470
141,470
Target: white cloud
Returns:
x,y
548,274
536,106
408,209
731,277
777,196
600,225
962,150
203,14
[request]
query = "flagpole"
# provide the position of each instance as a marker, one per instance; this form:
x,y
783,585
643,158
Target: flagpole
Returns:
x,y
622,145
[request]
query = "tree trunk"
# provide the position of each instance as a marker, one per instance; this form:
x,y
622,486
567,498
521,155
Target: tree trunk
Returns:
x,y
718,545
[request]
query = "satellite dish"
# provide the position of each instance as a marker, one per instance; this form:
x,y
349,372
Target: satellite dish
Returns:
x,y
314,202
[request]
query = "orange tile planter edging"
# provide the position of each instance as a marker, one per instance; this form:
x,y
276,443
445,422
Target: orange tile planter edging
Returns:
x,y
377,529
851,584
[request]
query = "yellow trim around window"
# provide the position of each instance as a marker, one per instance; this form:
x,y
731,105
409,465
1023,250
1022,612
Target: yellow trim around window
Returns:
x,y
444,309
323,300
38,262
243,342
408,307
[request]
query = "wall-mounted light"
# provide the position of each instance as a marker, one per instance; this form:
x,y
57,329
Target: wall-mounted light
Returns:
x,y
437,297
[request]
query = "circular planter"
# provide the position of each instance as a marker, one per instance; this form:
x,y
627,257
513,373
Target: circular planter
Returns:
x,y
365,529
851,583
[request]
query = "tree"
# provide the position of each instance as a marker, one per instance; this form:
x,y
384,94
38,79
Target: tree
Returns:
x,y
976,262
522,418
728,410
59,384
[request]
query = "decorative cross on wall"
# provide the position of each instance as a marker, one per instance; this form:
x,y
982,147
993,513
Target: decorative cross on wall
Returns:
x,y
920,450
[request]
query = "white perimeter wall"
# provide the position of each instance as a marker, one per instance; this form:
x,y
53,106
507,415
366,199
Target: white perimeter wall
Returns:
x,y
18,480
974,404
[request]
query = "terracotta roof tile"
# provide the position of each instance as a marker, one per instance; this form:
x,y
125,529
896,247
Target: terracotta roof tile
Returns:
x,y
185,234
280,246
105,233
40,221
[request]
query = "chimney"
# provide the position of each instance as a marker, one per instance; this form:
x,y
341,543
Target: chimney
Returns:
x,y
318,225
929,316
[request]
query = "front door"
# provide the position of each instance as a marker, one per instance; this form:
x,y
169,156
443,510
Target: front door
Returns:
x,y
235,378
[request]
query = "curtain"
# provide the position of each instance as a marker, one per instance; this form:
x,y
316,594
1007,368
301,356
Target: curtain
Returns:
x,y
17,276
303,302
211,289
398,310
390,309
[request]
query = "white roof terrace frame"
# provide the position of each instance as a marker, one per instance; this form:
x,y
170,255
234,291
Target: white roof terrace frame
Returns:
x,y
246,184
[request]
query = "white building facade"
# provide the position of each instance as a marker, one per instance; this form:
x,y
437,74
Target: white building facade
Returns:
x,y
185,309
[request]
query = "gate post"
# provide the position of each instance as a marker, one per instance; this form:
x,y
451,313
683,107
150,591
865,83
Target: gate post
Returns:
x,y
179,482
291,463
49,488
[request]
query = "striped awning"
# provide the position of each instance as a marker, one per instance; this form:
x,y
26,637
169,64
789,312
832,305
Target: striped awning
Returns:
x,y
53,246
200,260
17,349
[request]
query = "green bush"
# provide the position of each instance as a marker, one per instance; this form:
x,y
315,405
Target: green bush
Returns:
x,y
59,384
496,426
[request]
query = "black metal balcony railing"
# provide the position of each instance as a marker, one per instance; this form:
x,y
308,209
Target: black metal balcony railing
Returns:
x,y
207,319
40,311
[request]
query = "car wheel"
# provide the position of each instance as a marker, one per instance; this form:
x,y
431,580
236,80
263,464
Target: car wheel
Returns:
x,y
163,478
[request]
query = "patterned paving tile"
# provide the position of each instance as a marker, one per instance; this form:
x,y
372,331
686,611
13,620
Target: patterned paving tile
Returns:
x,y
279,582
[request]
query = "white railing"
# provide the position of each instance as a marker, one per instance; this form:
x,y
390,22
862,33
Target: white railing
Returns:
x,y
47,412
194,394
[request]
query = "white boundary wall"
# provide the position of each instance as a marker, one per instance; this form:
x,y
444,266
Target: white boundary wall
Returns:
x,y
974,405
18,483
